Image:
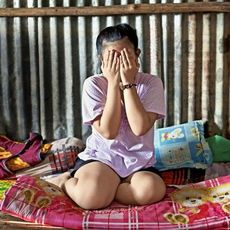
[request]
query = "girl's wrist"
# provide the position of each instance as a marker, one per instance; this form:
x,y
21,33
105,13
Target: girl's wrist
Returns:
x,y
127,86
113,83
128,80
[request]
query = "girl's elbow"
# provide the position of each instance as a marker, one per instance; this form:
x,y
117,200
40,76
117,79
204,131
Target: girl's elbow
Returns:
x,y
109,135
139,132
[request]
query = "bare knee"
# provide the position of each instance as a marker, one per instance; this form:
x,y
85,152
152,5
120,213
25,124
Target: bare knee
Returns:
x,y
94,186
151,192
87,197
149,196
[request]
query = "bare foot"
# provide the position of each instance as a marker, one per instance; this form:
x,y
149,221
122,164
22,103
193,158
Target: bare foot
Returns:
x,y
59,180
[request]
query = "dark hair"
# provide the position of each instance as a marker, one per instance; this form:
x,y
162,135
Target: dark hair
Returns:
x,y
114,33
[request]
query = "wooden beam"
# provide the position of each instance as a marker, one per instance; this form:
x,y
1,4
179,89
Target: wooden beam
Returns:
x,y
129,9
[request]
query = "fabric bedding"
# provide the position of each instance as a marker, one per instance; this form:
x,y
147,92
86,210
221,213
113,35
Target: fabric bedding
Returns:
x,y
203,205
197,198
18,155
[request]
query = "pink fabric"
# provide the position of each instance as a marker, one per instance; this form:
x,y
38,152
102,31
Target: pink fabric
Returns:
x,y
35,200
11,146
126,153
29,152
204,205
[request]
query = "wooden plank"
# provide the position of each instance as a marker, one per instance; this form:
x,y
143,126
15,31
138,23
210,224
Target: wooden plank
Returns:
x,y
8,222
128,9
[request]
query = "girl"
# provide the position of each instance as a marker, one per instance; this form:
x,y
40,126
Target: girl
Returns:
x,y
121,105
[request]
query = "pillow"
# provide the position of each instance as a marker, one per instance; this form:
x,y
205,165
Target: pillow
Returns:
x,y
182,146
64,153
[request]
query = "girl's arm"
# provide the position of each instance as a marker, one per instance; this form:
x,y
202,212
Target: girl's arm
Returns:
x,y
108,123
139,119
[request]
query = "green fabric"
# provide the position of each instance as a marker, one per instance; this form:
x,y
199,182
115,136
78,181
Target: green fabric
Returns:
x,y
4,185
220,148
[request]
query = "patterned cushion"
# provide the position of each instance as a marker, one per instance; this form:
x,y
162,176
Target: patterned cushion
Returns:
x,y
64,153
203,205
181,146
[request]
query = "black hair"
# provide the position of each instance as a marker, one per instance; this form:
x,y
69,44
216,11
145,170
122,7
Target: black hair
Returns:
x,y
114,33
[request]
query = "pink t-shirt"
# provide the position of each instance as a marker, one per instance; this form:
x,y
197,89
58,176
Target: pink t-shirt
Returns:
x,y
126,153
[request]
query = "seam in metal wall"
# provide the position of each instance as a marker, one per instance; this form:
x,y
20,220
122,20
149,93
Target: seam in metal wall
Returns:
x,y
44,61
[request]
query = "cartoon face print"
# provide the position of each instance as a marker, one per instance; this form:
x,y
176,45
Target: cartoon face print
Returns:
x,y
174,134
177,133
190,197
192,201
173,155
193,205
220,194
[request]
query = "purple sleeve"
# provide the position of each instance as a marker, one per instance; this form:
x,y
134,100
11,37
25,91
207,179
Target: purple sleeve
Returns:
x,y
93,99
152,97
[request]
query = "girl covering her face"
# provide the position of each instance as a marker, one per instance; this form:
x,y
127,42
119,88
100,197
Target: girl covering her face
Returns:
x,y
121,105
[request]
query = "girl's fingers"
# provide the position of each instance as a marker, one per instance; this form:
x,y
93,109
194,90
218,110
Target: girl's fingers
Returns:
x,y
111,65
118,63
110,60
107,57
116,60
127,57
123,59
113,57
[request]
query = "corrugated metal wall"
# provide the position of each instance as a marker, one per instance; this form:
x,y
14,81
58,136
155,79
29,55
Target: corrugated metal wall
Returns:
x,y
44,61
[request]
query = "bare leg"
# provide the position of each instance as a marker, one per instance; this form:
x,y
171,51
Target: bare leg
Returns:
x,y
141,188
93,187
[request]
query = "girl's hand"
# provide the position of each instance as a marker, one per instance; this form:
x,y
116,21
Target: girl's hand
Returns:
x,y
129,66
111,66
